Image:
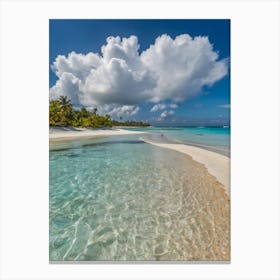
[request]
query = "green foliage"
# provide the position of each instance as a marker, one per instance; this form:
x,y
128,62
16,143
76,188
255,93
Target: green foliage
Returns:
x,y
61,113
130,123
94,112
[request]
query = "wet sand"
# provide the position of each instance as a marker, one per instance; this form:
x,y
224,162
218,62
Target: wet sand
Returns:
x,y
207,232
218,165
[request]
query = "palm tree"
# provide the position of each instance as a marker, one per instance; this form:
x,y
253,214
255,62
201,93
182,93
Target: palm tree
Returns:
x,y
65,110
53,112
84,113
61,103
95,111
63,100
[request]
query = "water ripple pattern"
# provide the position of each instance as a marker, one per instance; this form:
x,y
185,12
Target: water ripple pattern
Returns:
x,y
118,199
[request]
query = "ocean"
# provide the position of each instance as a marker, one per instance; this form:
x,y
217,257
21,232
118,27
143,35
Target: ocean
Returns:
x,y
118,198
216,139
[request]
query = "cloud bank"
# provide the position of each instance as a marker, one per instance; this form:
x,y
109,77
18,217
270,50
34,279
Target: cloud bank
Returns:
x,y
119,79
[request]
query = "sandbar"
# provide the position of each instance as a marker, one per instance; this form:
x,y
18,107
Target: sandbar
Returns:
x,y
217,165
68,133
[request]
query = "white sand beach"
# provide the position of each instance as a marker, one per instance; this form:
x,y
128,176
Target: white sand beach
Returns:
x,y
218,165
65,133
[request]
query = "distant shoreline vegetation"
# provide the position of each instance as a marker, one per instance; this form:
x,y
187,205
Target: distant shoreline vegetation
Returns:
x,y
62,113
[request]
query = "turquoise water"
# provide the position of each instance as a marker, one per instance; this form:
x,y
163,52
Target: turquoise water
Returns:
x,y
212,138
119,198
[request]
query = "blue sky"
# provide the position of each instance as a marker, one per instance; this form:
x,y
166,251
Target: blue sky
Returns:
x,y
205,102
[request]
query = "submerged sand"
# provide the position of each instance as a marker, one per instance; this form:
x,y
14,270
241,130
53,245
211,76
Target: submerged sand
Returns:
x,y
218,165
207,234
204,200
207,216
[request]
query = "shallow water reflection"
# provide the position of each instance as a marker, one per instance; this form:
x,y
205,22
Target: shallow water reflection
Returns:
x,y
134,201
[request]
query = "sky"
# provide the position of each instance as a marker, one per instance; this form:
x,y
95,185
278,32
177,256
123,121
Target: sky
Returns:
x,y
165,72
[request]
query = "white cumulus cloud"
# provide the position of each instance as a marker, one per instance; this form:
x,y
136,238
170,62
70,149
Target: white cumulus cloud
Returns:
x,y
165,115
158,107
121,78
183,66
161,106
116,111
125,110
173,106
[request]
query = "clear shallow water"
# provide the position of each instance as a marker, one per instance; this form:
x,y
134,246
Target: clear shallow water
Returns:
x,y
212,138
118,198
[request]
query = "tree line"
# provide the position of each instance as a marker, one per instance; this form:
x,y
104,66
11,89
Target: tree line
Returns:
x,y
62,113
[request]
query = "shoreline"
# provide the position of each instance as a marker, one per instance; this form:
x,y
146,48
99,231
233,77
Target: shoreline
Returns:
x,y
216,164
70,133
